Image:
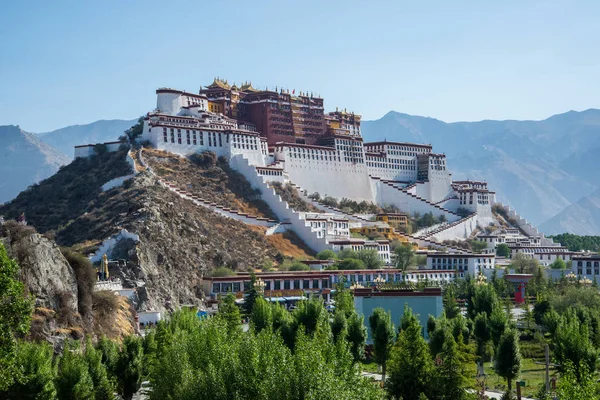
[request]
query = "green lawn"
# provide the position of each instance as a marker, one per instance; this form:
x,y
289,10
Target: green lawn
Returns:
x,y
369,367
532,374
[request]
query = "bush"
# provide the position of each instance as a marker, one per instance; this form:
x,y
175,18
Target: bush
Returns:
x,y
205,159
85,275
221,271
326,255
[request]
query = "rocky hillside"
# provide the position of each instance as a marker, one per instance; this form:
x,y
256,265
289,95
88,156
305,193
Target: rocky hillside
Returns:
x,y
24,160
209,178
177,242
54,202
62,286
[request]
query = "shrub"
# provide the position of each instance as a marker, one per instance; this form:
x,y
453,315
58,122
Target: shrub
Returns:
x,y
205,159
85,275
222,271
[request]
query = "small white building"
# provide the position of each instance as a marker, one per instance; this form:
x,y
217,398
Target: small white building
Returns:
x,y
381,246
88,150
471,263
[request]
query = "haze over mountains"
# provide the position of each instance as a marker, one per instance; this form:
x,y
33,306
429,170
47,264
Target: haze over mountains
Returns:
x,y
547,170
64,139
24,160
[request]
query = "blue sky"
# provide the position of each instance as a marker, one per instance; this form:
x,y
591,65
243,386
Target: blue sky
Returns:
x,y
73,62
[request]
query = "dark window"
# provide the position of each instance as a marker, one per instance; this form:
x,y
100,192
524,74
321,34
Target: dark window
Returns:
x,y
286,284
267,285
236,287
296,283
315,283
216,287
277,285
306,284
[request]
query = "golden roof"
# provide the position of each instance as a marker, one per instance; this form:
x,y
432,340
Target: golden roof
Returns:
x,y
247,87
219,84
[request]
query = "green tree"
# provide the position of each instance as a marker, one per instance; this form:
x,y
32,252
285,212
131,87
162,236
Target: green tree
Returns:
x,y
339,327
383,335
357,336
577,387
451,307
326,255
73,380
262,315
38,373
484,300
370,259
478,246
572,344
404,256
558,264
230,312
129,366
103,389
502,250
15,317
411,366
524,265
431,324
451,372
251,294
498,322
508,357
344,300
481,331
350,264
110,355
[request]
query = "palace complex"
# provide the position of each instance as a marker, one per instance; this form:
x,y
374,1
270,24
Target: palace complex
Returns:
x,y
277,136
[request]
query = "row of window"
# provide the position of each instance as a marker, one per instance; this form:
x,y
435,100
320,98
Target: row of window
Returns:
x,y
287,284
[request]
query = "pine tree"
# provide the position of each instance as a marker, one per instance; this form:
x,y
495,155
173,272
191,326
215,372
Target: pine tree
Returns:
x,y
357,336
251,294
230,312
39,373
383,335
411,367
451,370
262,316
129,366
103,389
508,357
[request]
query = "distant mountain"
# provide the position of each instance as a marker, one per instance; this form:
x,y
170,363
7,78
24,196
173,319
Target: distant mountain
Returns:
x,y
65,139
537,167
24,160
582,217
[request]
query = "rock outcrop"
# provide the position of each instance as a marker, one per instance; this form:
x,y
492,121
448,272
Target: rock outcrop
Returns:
x,y
44,270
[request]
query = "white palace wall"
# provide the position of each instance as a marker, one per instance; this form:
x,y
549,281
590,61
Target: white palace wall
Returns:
x,y
281,208
387,195
330,178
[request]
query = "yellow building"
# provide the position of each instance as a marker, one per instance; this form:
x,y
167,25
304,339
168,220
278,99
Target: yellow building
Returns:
x,y
215,107
380,230
395,220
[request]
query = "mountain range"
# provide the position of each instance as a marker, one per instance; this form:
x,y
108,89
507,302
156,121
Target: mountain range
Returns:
x,y
546,170
543,169
24,160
